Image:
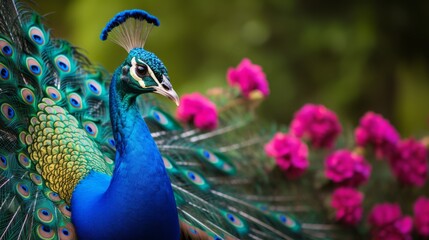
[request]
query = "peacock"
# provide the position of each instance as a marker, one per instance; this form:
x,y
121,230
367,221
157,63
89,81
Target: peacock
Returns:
x,y
85,154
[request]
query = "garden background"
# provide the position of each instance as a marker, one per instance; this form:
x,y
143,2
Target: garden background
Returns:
x,y
352,56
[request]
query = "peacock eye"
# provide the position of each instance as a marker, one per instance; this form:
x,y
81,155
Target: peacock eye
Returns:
x,y
141,70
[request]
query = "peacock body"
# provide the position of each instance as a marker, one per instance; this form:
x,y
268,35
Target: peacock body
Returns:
x,y
80,158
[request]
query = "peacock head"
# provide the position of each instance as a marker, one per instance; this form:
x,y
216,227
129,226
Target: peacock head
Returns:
x,y
143,71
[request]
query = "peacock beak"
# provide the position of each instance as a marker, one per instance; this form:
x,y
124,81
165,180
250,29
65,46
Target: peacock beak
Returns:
x,y
166,89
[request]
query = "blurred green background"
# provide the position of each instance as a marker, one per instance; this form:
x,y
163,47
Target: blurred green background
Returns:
x,y
352,56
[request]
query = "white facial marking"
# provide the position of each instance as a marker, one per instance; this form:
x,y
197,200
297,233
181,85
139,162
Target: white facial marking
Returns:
x,y
134,75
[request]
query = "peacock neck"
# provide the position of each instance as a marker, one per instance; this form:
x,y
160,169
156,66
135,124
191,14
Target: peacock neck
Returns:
x,y
140,187
126,120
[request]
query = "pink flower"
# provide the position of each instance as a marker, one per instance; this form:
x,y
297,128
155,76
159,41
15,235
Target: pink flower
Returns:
x,y
290,153
421,216
250,78
347,203
347,168
317,123
409,162
384,214
387,222
197,109
374,130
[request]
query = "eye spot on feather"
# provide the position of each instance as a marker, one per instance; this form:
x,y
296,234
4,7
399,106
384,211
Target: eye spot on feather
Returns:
x,y
91,128
67,232
24,160
210,156
36,35
218,160
65,210
45,232
27,95
63,63
45,215
3,162
54,197
234,220
287,221
7,111
36,178
75,101
34,66
6,48
196,179
94,87
159,117
4,72
23,190
54,94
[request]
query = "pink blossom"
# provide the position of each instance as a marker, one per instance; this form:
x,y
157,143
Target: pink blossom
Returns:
x,y
421,216
347,168
198,110
375,130
317,123
387,222
347,203
409,162
290,153
250,79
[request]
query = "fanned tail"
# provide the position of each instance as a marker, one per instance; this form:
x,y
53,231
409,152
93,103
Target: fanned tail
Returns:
x,y
38,73
222,188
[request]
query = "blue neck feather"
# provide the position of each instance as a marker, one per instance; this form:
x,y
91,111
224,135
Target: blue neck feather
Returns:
x,y
137,201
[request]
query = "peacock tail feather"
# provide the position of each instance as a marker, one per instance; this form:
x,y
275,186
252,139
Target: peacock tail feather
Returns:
x,y
52,124
216,191
55,129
